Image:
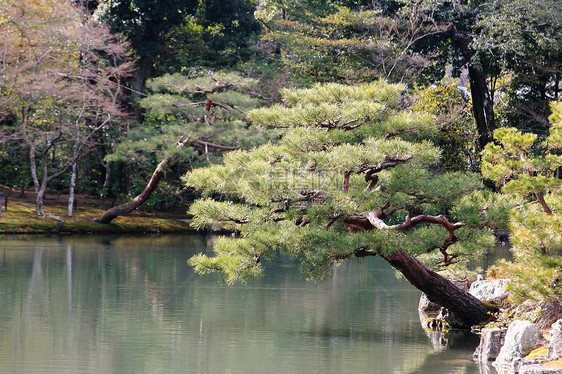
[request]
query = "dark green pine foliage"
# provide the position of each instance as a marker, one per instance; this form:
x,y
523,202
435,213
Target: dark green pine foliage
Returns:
x,y
350,177
529,171
218,34
144,21
204,112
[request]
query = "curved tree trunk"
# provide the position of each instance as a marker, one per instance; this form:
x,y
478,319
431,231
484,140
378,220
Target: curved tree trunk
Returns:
x,y
128,207
439,289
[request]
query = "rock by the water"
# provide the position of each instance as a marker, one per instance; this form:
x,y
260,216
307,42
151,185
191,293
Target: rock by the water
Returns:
x,y
555,350
493,290
491,342
428,306
520,340
539,369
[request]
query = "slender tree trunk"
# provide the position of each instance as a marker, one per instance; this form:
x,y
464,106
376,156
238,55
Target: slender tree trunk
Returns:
x,y
128,207
40,192
107,167
439,289
39,200
71,189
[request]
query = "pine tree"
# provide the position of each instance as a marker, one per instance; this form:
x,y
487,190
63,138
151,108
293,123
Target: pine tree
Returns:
x,y
353,175
189,121
530,170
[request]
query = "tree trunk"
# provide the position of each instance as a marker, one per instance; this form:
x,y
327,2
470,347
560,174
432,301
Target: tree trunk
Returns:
x,y
141,75
105,187
482,104
128,207
39,200
440,290
71,189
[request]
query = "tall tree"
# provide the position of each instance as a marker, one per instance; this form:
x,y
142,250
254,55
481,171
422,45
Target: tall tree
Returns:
x,y
61,92
347,180
525,39
219,34
144,22
494,38
336,43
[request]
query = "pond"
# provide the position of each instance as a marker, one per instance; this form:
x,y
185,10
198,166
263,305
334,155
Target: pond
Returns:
x,y
132,305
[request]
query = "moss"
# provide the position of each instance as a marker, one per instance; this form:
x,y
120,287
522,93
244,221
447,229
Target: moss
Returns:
x,y
554,364
538,352
20,218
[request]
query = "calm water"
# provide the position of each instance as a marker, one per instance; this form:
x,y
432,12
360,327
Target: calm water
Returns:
x,y
132,305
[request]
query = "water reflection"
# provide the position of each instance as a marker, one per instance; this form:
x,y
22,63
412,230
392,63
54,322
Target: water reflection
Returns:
x,y
132,305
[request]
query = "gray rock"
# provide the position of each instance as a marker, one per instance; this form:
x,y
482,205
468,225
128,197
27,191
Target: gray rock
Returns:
x,y
427,306
495,289
538,369
520,340
491,342
555,350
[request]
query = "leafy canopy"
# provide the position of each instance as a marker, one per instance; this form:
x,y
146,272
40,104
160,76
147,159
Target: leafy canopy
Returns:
x,y
347,157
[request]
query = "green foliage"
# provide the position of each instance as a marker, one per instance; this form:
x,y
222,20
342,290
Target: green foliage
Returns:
x,y
300,195
144,21
485,208
205,111
457,134
524,38
536,223
335,43
512,164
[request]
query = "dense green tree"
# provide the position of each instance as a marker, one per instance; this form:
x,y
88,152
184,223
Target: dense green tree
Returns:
x,y
349,178
495,38
341,44
181,34
524,39
144,22
532,174
457,136
190,121
217,35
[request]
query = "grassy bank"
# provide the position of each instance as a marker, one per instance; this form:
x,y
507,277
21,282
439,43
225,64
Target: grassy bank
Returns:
x,y
19,217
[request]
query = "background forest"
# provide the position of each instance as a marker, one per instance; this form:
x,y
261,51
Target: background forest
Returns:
x,y
95,94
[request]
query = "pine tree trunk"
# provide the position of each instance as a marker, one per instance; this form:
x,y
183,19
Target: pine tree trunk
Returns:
x,y
128,207
440,290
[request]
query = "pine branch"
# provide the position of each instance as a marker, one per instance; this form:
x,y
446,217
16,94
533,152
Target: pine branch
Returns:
x,y
375,218
221,147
